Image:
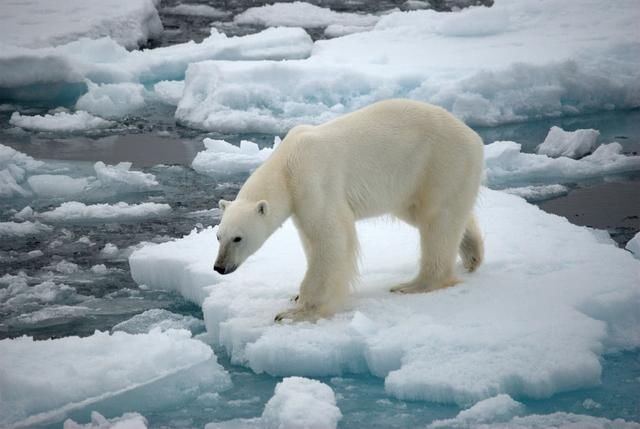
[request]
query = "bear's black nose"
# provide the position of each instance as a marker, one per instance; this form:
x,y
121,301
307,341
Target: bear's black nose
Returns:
x,y
219,269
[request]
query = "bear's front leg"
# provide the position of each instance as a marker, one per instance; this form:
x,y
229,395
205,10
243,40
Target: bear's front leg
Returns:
x,y
331,250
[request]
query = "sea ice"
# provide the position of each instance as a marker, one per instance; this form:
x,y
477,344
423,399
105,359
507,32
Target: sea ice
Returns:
x,y
507,165
161,319
560,421
112,100
221,158
84,371
74,211
302,14
573,144
120,177
36,24
14,166
21,229
535,193
515,61
98,421
60,121
57,185
298,403
500,408
197,10
169,91
633,245
460,345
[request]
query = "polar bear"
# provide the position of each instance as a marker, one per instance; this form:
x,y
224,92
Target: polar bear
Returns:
x,y
397,157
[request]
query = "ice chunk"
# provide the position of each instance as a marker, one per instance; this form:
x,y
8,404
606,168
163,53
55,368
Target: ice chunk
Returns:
x,y
459,345
120,177
112,100
99,269
521,62
57,185
169,91
98,421
24,214
18,297
159,318
50,315
221,158
301,14
197,10
37,24
506,164
13,168
102,366
633,245
60,121
21,229
500,408
74,211
66,267
563,421
298,403
65,68
538,193
574,144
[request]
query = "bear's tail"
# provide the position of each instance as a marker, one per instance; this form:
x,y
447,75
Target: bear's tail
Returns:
x,y
472,246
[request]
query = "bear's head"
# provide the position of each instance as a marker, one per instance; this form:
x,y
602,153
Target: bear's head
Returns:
x,y
243,229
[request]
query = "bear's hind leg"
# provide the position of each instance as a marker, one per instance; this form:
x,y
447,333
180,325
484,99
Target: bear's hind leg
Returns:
x,y
440,239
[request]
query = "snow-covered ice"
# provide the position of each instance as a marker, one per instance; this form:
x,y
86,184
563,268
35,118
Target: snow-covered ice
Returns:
x,y
515,61
67,68
36,24
98,421
83,371
460,345
535,193
60,121
302,14
297,403
20,229
222,158
633,245
573,144
507,165
74,211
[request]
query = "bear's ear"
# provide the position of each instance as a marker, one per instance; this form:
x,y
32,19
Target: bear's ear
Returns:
x,y
262,207
222,204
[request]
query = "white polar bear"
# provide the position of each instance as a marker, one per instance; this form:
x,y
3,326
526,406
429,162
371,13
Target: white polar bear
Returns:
x,y
400,157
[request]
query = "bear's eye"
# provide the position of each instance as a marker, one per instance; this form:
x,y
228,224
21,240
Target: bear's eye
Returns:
x,y
237,239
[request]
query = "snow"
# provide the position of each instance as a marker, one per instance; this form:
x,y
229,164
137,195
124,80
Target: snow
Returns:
x,y
74,211
515,61
535,193
573,144
196,10
61,121
161,319
222,158
633,245
36,24
507,164
302,14
500,408
21,229
460,345
98,421
298,403
102,366
103,61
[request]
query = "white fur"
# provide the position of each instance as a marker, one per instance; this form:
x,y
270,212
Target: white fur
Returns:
x,y
400,157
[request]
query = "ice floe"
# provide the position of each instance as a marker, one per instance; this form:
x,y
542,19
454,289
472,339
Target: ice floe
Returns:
x,y
98,421
57,185
500,408
633,245
515,61
222,158
297,403
161,319
21,229
103,366
573,144
112,100
191,9
460,345
36,24
302,14
74,211
14,166
60,121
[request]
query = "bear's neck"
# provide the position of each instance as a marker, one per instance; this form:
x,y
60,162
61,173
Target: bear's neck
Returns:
x,y
271,186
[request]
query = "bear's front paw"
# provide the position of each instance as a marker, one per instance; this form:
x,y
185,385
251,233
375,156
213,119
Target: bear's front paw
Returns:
x,y
297,314
411,287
